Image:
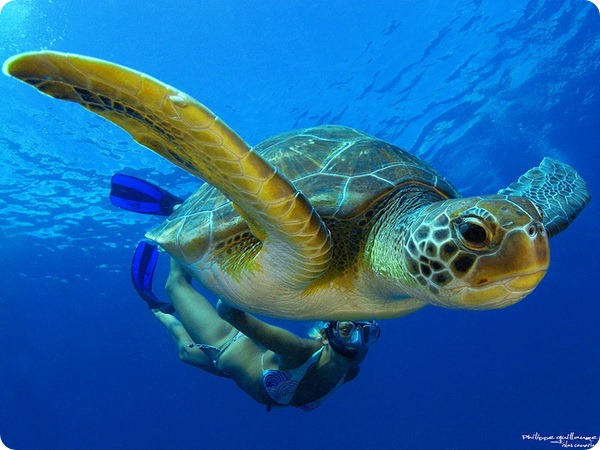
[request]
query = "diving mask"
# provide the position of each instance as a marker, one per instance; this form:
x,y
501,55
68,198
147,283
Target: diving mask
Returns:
x,y
350,339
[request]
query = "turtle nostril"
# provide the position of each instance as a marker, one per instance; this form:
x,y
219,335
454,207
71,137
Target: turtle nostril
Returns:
x,y
531,230
541,229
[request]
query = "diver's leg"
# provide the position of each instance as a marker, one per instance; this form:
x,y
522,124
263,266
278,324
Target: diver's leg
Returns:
x,y
197,315
187,354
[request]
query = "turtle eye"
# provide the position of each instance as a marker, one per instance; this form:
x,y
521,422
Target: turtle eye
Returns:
x,y
473,233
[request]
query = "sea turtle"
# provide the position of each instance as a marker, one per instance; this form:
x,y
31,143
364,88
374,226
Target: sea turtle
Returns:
x,y
326,222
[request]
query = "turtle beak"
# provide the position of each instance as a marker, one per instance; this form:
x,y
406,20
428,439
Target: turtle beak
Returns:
x,y
504,278
526,283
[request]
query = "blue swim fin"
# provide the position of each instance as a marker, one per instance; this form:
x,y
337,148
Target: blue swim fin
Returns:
x,y
142,270
140,196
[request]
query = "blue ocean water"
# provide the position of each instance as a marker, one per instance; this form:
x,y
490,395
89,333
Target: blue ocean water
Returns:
x,y
480,89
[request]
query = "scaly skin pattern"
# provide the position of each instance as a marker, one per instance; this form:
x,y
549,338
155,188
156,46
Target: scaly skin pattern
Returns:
x,y
188,134
474,253
327,222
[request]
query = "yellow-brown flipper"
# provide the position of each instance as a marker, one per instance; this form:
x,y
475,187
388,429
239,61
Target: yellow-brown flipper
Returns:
x,y
180,129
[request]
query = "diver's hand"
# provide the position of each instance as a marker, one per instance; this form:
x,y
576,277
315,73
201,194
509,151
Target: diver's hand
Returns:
x,y
228,313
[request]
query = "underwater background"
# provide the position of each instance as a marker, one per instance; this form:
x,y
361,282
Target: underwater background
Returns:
x,y
481,89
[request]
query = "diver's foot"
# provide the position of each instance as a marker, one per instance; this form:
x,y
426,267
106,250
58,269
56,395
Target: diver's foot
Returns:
x,y
165,318
163,307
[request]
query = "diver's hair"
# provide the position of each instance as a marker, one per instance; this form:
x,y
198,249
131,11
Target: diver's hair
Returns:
x,y
316,331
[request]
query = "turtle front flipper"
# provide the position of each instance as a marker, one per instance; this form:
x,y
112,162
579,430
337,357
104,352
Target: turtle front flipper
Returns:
x,y
556,189
180,129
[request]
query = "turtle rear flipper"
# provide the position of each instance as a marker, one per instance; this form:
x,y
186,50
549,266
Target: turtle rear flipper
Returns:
x,y
556,189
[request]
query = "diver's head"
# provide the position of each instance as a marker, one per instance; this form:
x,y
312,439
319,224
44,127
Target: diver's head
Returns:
x,y
352,339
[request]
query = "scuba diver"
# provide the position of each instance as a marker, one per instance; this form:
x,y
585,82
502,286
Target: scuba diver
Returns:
x,y
272,365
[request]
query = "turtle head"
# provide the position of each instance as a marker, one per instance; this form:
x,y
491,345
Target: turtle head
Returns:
x,y
477,253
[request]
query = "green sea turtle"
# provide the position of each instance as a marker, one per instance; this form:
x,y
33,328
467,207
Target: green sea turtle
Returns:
x,y
326,222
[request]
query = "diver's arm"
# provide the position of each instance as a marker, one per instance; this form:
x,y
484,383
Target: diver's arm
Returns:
x,y
285,343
